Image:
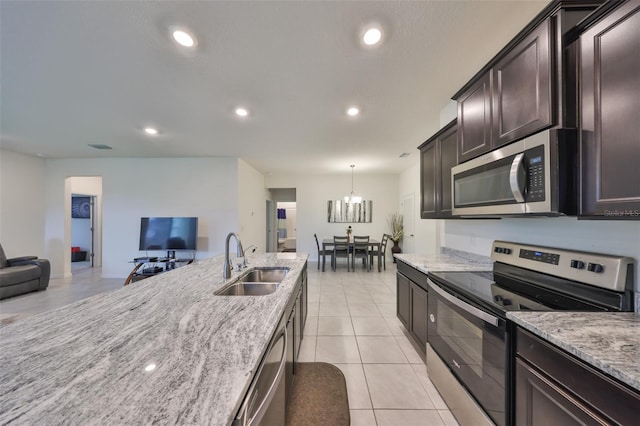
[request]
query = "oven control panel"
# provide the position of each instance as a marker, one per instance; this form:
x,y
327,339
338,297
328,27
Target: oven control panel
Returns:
x,y
540,256
601,270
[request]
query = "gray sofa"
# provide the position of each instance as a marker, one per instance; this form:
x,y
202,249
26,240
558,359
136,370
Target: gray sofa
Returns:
x,y
22,275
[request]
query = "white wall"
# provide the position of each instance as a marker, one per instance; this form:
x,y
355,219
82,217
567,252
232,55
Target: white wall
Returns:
x,y
134,188
313,192
251,206
22,204
427,234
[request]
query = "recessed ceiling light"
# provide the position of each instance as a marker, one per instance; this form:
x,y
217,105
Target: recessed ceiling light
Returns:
x,y
353,111
151,131
372,36
149,368
404,155
183,37
242,112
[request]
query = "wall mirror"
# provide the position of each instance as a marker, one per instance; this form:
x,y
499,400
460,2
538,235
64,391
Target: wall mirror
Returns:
x,y
340,212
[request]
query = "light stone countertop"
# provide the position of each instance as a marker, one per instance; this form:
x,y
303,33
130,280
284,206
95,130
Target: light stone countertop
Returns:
x,y
85,363
447,260
609,341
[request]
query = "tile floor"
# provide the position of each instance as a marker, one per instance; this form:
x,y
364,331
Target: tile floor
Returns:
x,y
351,323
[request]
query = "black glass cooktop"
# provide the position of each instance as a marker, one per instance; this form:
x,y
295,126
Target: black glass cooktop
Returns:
x,y
501,293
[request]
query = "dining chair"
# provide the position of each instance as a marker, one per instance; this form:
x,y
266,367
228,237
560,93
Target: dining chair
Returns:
x,y
381,253
360,249
340,249
323,254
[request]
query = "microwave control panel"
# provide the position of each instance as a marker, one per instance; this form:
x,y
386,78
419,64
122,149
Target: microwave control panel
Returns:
x,y
534,162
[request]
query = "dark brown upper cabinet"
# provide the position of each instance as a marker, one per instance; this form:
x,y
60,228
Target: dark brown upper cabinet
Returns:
x,y
437,156
524,88
474,118
610,115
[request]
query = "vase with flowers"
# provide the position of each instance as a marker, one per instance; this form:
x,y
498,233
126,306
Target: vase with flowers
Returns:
x,y
349,231
397,232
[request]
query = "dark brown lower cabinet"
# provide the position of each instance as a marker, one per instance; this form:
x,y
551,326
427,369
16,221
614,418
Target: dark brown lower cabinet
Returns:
x,y
419,315
403,299
412,303
540,401
555,388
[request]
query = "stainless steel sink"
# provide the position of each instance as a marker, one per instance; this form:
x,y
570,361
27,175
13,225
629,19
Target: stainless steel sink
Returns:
x,y
255,282
239,288
264,275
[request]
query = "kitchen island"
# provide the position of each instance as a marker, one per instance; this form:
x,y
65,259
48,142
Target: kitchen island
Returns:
x,y
164,350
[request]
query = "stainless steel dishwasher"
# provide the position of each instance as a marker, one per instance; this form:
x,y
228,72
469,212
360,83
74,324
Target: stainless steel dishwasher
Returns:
x,y
265,400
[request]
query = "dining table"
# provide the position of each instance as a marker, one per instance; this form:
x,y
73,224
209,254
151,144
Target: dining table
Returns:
x,y
374,246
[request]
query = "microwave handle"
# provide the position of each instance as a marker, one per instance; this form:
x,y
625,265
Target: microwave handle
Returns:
x,y
517,178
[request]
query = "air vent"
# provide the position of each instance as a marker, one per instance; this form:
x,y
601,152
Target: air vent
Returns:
x,y
404,155
99,146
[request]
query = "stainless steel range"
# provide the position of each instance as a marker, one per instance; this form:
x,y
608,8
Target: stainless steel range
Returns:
x,y
468,333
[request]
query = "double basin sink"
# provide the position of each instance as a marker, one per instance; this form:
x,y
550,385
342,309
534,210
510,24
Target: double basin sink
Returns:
x,y
255,282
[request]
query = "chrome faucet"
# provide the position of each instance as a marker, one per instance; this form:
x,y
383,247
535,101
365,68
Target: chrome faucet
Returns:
x,y
228,266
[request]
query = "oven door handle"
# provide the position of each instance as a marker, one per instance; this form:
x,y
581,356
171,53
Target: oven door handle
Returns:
x,y
517,178
478,313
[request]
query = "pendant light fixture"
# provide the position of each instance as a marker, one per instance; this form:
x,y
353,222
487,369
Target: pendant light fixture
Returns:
x,y
352,198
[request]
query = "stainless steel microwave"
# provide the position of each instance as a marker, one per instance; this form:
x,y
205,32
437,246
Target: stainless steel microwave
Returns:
x,y
536,175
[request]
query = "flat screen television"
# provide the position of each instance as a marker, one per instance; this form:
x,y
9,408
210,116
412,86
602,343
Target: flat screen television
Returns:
x,y
168,233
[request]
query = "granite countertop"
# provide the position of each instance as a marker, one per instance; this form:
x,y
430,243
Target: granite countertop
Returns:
x,y
85,363
609,341
447,260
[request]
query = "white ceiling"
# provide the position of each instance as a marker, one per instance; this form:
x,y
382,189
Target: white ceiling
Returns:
x,y
76,73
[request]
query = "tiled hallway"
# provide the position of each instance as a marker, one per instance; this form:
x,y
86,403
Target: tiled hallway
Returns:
x,y
352,323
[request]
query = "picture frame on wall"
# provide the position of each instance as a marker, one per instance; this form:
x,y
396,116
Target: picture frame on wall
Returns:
x,y
80,207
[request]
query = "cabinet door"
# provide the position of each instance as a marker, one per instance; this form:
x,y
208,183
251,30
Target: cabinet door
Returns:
x,y
448,159
403,299
474,120
610,115
523,88
540,401
419,315
429,180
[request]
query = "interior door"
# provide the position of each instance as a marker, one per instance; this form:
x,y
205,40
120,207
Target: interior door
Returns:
x,y
271,237
408,221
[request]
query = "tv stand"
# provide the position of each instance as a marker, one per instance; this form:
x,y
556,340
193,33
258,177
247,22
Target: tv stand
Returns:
x,y
145,267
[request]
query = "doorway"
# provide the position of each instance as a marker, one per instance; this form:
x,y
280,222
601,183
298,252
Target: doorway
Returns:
x,y
82,231
287,227
408,222
281,220
84,224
